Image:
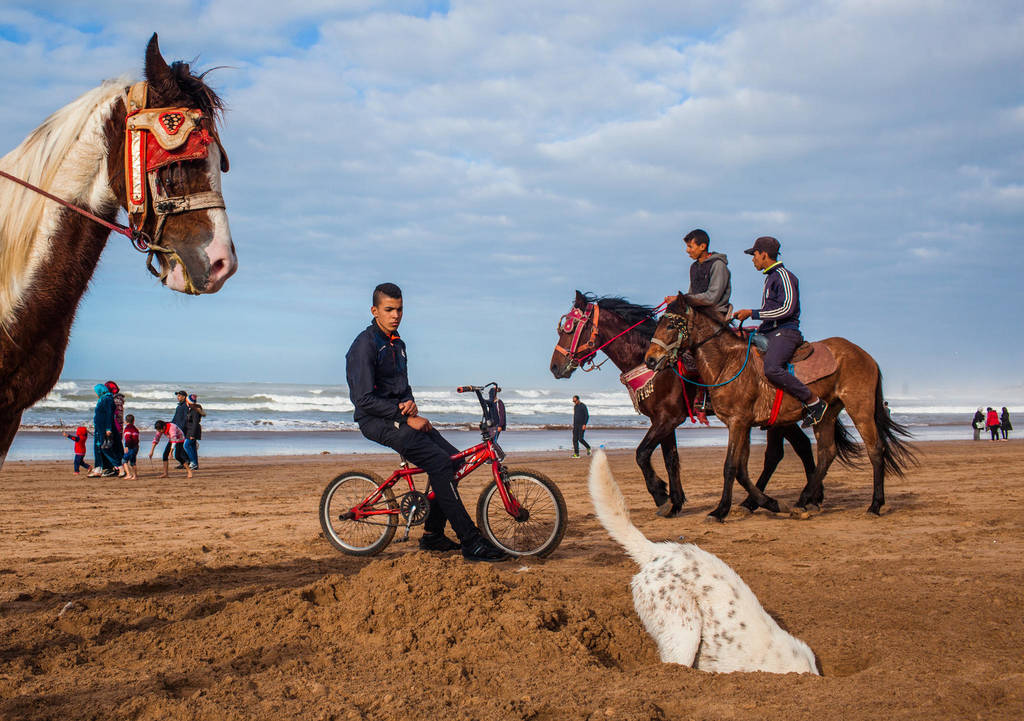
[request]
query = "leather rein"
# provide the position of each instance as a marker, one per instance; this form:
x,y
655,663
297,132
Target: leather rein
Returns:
x,y
134,99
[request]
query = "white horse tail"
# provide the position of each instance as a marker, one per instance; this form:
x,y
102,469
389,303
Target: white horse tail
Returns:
x,y
613,513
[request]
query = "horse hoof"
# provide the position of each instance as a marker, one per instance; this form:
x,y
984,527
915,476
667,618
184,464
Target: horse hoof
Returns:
x,y
800,513
665,509
875,511
712,518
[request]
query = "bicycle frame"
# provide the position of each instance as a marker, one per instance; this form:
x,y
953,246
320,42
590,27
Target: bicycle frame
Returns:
x,y
488,451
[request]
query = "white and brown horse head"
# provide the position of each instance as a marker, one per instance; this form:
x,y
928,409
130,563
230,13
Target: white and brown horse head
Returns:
x,y
165,165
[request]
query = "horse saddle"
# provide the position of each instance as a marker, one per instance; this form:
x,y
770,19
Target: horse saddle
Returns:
x,y
812,361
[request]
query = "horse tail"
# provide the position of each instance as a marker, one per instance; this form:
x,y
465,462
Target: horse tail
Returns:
x,y
613,513
897,454
848,451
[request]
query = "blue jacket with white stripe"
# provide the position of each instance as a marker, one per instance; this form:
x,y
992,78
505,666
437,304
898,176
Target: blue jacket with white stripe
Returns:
x,y
780,303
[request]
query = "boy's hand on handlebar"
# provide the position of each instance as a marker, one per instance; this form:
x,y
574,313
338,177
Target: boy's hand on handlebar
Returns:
x,y
419,423
408,408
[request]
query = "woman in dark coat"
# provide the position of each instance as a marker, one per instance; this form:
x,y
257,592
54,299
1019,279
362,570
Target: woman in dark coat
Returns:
x,y
105,433
1004,423
978,424
193,430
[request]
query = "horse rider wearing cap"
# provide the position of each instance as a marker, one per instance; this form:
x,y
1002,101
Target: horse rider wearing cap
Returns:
x,y
780,323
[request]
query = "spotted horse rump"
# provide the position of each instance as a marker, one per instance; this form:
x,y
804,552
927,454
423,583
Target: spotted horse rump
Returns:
x,y
697,609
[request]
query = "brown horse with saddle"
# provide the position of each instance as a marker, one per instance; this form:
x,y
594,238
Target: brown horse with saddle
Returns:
x,y
837,371
623,330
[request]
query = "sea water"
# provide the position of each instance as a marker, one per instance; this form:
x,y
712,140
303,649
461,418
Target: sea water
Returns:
x,y
249,419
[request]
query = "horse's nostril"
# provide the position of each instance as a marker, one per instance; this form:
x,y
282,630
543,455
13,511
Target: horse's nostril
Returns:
x,y
651,363
217,268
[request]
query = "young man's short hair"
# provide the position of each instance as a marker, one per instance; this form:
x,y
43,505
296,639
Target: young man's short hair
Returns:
x,y
575,398
386,289
698,236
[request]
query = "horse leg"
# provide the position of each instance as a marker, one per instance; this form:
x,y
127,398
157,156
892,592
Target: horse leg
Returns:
x,y
773,454
655,486
670,454
814,491
863,415
742,456
736,469
8,427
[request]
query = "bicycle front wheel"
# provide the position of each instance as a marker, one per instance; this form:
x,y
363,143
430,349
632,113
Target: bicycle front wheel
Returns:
x,y
541,532
366,536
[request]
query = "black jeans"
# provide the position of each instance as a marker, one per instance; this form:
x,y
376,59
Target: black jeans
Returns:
x,y
577,438
431,452
179,453
781,344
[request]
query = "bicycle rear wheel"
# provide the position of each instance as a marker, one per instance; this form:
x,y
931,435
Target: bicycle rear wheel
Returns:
x,y
545,526
363,537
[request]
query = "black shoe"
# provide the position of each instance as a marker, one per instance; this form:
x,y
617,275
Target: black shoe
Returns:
x,y
109,472
179,467
438,542
482,550
814,413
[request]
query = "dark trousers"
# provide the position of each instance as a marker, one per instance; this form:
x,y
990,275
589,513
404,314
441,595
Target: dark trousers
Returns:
x,y
781,344
80,462
109,459
431,452
577,438
994,430
179,453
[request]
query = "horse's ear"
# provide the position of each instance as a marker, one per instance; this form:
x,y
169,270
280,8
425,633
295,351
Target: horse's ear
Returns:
x,y
158,73
581,300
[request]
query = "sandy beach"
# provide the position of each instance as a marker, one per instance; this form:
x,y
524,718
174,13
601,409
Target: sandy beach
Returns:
x,y
217,598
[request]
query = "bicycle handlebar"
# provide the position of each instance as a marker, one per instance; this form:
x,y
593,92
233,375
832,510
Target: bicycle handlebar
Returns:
x,y
470,389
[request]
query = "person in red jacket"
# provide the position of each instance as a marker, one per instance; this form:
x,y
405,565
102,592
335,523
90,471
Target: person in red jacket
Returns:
x,y
81,434
993,423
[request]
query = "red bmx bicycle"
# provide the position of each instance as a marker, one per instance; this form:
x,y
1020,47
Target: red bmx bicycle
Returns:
x,y
520,511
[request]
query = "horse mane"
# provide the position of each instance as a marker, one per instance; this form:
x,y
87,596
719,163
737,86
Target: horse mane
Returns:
x,y
65,156
629,312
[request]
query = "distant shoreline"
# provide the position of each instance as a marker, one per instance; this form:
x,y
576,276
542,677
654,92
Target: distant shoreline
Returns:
x,y
50,445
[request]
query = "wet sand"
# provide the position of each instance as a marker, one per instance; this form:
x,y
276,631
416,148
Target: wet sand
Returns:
x,y
217,598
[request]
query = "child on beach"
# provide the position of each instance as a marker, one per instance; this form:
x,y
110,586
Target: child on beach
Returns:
x,y
81,434
175,438
131,448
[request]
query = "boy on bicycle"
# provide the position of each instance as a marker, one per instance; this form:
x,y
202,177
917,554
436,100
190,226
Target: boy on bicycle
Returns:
x,y
378,382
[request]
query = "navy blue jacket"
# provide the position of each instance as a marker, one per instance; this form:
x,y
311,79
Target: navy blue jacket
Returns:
x,y
580,415
180,414
377,372
780,303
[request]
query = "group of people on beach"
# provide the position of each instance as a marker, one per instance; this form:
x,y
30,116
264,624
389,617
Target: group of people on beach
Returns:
x,y
998,424
116,438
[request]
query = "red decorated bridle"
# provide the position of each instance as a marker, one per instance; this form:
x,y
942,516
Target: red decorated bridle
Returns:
x,y
155,138
574,322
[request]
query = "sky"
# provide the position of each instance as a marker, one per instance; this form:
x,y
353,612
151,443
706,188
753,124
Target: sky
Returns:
x,y
491,158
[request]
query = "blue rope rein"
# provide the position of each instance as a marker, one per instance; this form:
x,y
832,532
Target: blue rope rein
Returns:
x,y
750,339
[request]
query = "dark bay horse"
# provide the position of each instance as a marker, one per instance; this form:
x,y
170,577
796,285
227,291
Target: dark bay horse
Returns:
x,y
669,402
152,148
745,401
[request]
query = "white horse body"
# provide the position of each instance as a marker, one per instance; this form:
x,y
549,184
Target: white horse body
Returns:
x,y
698,610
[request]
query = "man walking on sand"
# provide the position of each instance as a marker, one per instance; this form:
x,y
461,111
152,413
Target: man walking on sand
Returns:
x,y
378,384
580,416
